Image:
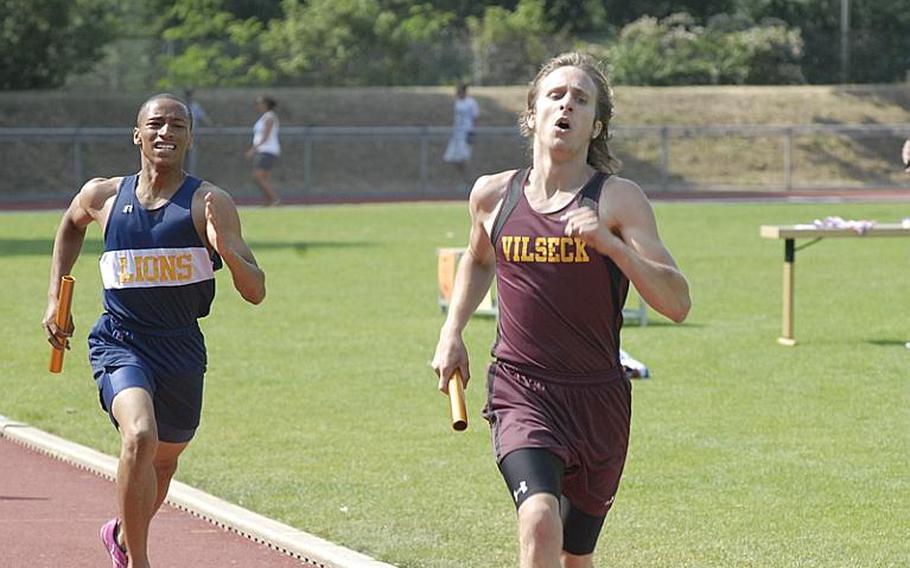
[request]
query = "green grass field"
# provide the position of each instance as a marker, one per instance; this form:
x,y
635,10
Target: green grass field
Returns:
x,y
321,410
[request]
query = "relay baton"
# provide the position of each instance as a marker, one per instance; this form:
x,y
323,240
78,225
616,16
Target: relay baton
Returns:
x,y
64,303
456,402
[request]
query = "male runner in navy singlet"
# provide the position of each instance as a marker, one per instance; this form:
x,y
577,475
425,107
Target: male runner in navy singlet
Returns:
x,y
165,233
563,238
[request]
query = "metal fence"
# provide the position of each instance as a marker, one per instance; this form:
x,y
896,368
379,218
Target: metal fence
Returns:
x,y
326,163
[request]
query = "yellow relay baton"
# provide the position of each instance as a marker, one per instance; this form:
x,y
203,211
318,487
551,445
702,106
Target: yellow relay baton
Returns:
x,y
64,303
456,402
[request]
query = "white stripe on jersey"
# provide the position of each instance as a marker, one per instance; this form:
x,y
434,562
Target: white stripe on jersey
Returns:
x,y
158,267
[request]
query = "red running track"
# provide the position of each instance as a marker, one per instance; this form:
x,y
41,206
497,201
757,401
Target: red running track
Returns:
x,y
51,513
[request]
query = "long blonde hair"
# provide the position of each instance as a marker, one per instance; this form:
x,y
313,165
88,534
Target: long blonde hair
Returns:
x,y
599,155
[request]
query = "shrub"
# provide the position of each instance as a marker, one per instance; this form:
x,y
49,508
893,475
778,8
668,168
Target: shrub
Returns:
x,y
728,50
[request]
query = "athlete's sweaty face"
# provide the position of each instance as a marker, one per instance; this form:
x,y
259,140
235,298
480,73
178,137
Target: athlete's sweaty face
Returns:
x,y
163,132
565,110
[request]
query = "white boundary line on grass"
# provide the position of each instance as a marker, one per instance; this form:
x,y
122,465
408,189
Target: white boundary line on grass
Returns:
x,y
254,526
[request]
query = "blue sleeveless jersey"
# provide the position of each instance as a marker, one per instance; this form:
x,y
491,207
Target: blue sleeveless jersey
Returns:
x,y
156,271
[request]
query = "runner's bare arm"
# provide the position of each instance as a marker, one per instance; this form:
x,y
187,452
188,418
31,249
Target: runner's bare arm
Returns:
x,y
626,231
87,206
472,279
223,233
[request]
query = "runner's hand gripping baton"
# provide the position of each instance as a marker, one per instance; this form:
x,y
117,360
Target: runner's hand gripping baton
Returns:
x,y
64,303
456,402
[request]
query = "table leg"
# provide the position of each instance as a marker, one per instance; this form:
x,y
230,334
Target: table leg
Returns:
x,y
789,264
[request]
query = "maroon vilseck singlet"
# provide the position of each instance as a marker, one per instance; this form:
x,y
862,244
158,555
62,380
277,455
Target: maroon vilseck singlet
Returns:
x,y
557,383
560,301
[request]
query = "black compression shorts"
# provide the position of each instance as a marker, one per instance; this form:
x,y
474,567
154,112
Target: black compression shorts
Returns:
x,y
530,471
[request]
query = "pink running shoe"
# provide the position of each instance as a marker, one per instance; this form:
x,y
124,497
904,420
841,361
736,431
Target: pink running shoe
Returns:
x,y
109,538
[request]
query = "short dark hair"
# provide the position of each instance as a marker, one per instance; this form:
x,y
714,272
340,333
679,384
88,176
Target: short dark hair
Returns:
x,y
169,96
269,102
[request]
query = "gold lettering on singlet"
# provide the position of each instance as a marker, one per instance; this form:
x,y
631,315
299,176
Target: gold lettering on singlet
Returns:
x,y
184,266
552,250
138,274
125,275
540,249
150,268
565,254
156,268
581,255
552,245
507,246
525,255
167,267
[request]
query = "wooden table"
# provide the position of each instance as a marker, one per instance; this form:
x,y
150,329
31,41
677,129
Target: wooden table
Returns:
x,y
792,232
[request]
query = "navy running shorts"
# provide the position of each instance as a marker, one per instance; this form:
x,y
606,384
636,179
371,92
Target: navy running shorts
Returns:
x,y
169,364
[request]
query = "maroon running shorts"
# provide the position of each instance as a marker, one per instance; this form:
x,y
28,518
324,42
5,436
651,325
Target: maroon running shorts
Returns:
x,y
582,419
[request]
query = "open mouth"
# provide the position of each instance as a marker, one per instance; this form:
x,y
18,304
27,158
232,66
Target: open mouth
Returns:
x,y
563,125
165,146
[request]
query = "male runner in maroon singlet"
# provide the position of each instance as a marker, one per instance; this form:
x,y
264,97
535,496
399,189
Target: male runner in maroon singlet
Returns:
x,y
564,239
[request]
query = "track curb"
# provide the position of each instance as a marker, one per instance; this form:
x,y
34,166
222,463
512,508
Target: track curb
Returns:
x,y
281,537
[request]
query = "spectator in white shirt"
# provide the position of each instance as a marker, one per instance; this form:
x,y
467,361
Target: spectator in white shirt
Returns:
x,y
458,150
266,148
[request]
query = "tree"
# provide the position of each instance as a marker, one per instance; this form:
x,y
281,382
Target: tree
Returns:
x,y
128,62
579,16
459,10
262,10
425,48
879,45
212,47
42,42
623,12
363,42
728,50
509,45
327,40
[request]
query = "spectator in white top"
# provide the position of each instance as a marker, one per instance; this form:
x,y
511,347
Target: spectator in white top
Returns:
x,y
266,148
458,150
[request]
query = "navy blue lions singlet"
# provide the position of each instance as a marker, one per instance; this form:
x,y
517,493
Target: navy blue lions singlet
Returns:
x,y
156,271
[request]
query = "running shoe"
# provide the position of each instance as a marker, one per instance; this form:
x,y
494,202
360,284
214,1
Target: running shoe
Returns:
x,y
109,538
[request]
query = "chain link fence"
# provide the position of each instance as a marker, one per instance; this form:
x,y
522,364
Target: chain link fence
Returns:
x,y
370,163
